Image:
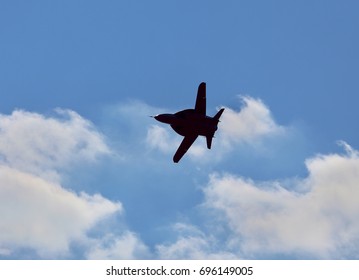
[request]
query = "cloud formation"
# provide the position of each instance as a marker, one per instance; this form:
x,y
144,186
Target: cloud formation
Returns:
x,y
314,217
44,216
310,217
252,122
38,213
125,246
42,145
159,138
192,243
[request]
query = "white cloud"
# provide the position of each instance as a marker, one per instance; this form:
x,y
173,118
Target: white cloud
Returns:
x,y
126,246
317,218
252,122
41,215
134,116
159,138
192,244
42,145
38,213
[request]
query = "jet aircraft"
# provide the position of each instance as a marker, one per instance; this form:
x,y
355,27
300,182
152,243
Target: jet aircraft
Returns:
x,y
191,123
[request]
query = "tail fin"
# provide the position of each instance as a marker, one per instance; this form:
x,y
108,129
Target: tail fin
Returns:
x,y
210,137
219,114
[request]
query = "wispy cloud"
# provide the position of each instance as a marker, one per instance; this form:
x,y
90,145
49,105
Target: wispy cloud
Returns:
x,y
125,246
160,138
192,243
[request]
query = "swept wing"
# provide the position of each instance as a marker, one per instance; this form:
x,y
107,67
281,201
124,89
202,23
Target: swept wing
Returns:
x,y
185,145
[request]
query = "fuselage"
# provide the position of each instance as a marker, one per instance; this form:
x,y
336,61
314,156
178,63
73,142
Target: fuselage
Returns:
x,y
189,122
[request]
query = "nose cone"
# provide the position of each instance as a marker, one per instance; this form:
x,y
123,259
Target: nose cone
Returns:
x,y
165,118
158,117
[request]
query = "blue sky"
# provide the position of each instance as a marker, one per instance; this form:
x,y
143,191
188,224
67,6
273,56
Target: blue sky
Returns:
x,y
86,174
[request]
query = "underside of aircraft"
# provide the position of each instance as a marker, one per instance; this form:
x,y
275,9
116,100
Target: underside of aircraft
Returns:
x,y
192,123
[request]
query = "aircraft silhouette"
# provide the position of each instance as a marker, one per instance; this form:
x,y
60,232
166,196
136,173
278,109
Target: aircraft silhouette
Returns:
x,y
191,123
